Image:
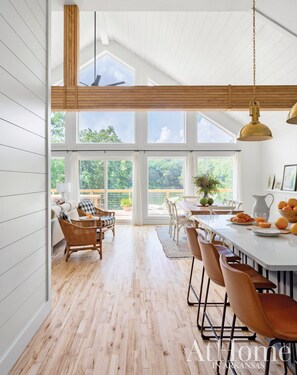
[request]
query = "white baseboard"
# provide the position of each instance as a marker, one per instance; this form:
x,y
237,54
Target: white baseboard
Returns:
x,y
12,353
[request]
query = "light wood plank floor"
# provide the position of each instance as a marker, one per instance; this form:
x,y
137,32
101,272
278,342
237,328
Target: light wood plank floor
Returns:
x,y
125,314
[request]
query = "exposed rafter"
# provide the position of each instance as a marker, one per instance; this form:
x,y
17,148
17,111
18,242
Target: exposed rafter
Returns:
x,y
72,97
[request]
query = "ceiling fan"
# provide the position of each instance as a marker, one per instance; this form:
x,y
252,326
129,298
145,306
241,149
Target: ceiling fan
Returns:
x,y
97,77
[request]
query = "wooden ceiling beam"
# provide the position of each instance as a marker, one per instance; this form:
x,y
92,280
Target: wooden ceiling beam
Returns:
x,y
72,97
186,98
71,45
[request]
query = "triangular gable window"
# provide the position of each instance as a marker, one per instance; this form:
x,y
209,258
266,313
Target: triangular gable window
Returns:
x,y
111,70
209,132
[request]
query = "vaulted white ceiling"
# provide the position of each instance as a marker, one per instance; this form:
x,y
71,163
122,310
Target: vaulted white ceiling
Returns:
x,y
197,47
194,42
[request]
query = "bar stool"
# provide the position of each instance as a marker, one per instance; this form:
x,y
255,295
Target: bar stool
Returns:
x,y
192,237
270,315
210,257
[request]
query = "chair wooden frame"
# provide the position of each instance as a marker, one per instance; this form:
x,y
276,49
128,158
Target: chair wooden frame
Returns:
x,y
81,236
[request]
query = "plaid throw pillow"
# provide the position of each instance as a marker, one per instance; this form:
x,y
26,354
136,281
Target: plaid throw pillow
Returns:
x,y
87,206
63,215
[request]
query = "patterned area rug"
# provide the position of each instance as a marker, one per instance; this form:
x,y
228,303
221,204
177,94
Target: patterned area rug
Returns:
x,y
171,249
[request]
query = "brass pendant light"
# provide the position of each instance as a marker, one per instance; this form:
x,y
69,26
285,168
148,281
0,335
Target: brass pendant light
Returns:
x,y
254,130
292,116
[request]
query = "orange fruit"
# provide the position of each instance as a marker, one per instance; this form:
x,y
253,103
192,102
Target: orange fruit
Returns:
x,y
287,208
293,228
292,202
281,223
281,204
263,224
295,208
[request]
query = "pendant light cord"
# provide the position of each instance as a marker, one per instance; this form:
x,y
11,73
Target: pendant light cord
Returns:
x,y
254,50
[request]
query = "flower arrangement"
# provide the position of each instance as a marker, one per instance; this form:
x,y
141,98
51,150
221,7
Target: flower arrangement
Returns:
x,y
207,184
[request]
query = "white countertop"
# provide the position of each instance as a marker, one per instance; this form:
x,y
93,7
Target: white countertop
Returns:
x,y
273,253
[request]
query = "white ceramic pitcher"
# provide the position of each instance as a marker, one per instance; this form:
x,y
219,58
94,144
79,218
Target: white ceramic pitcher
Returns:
x,y
260,206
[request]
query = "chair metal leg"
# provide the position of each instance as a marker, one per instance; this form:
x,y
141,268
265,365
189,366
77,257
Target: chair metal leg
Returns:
x,y
214,327
228,361
222,331
268,354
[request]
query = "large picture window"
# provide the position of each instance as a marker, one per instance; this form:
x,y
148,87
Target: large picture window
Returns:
x,y
223,169
106,127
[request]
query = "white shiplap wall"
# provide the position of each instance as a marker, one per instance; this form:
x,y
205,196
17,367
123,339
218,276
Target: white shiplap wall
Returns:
x,y
24,247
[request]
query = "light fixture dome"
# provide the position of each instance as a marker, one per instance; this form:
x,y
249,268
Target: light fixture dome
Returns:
x,y
292,116
254,130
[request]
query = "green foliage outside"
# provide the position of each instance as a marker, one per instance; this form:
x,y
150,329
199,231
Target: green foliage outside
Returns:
x,y
165,174
57,172
58,127
107,135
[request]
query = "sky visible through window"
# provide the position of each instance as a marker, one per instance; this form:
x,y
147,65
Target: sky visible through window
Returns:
x,y
166,127
111,71
208,132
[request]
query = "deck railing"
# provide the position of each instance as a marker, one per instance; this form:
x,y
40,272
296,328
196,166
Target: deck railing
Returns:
x,y
156,197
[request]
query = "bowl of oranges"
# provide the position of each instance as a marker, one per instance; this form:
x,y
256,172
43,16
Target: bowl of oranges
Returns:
x,y
288,210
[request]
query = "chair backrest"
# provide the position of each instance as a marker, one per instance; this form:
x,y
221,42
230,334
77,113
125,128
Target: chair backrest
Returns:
x,y
87,206
192,237
168,206
173,209
244,299
211,261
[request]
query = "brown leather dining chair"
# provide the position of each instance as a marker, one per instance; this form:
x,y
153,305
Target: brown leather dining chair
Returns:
x,y
210,257
192,237
270,315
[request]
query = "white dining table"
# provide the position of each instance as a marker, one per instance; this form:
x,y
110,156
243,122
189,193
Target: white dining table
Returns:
x,y
272,253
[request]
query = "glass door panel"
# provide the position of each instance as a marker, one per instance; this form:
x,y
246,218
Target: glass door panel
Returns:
x,y
165,180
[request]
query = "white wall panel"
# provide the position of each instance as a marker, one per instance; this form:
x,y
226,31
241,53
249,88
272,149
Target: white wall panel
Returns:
x,y
16,137
16,275
19,48
13,183
18,296
21,161
19,319
30,20
15,113
20,94
19,250
14,230
38,12
24,216
21,72
10,13
21,205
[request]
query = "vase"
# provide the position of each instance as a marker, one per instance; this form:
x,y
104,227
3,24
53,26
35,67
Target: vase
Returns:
x,y
260,207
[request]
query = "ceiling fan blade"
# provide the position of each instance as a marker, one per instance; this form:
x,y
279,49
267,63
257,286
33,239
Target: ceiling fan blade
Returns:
x,y
116,83
97,80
